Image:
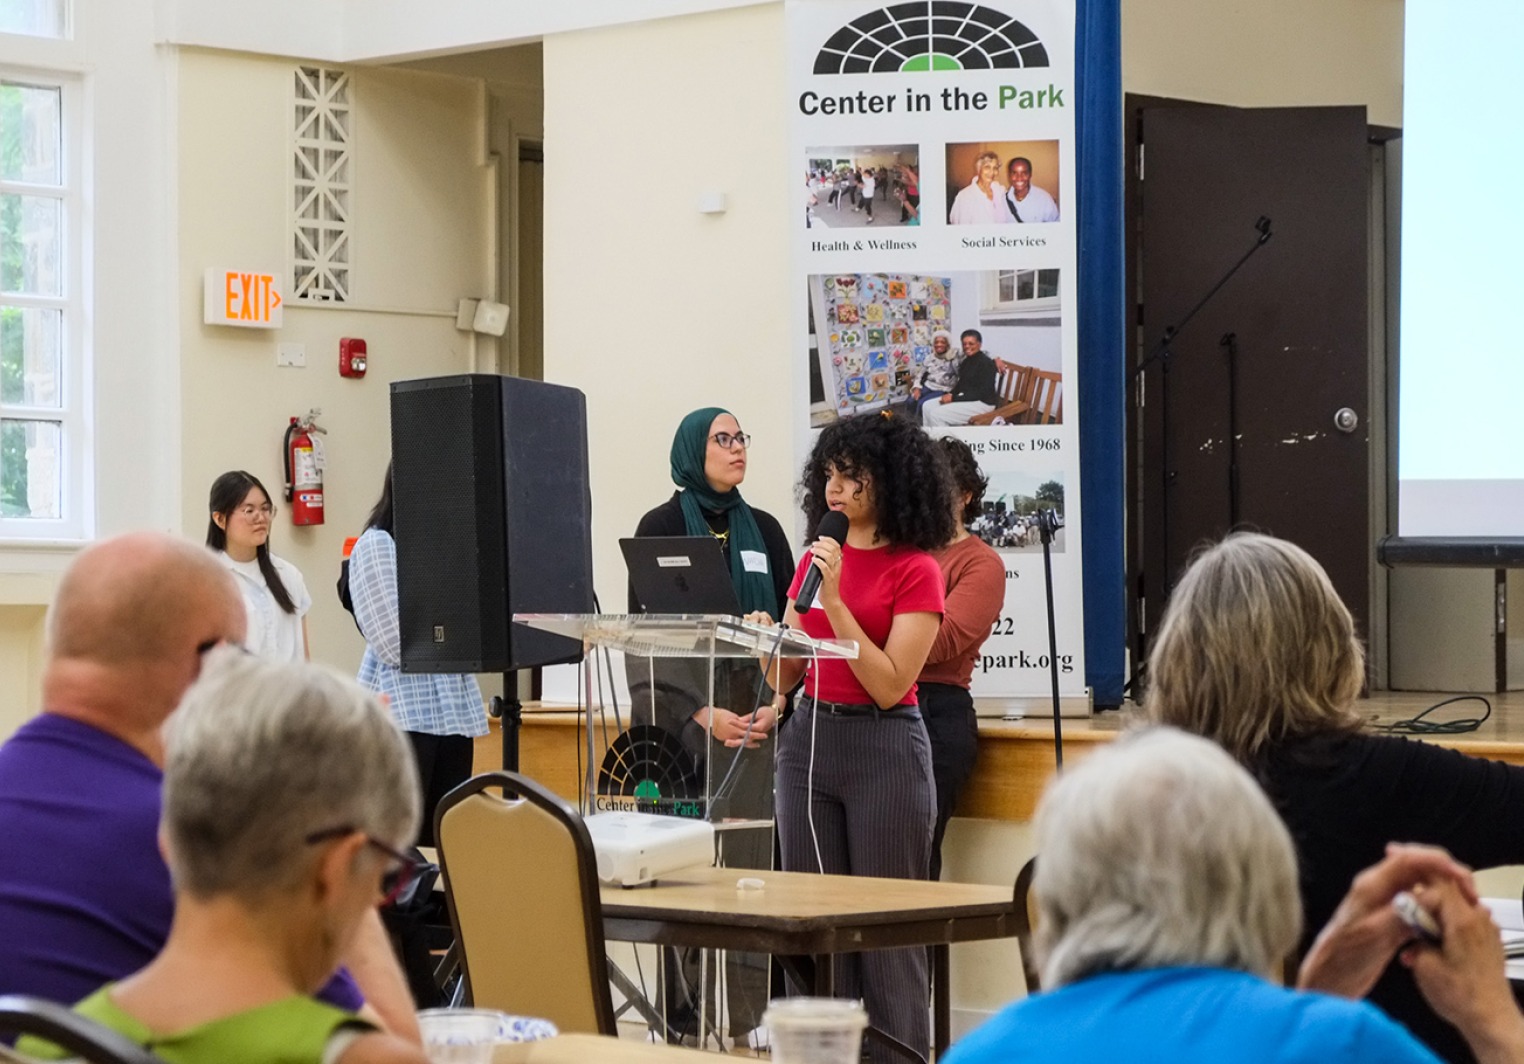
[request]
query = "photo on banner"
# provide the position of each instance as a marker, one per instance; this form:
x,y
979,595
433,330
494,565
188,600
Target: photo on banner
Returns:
x,y
922,344
955,306
855,187
1003,182
1011,501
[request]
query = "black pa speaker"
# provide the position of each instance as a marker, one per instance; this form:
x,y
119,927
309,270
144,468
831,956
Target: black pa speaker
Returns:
x,y
493,517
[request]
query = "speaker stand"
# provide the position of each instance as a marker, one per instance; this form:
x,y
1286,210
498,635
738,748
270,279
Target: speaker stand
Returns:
x,y
510,710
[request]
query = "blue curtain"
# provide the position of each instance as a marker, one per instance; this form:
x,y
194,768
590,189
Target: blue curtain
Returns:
x,y
1102,340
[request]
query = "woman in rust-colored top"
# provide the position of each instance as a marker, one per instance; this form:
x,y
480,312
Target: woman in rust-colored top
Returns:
x,y
974,577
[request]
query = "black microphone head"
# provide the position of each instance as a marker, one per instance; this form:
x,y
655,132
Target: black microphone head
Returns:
x,y
833,526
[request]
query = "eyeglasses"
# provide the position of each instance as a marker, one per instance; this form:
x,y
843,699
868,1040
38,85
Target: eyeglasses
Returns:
x,y
249,511
394,880
726,441
209,644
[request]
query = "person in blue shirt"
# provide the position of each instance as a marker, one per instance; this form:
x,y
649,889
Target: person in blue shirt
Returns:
x,y
1167,899
442,714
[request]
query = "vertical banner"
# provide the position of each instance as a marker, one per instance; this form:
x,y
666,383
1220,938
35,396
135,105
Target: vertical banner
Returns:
x,y
932,151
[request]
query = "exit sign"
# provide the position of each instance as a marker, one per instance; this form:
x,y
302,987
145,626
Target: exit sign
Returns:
x,y
245,298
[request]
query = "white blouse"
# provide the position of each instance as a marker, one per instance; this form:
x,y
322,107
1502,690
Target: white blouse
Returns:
x,y
273,633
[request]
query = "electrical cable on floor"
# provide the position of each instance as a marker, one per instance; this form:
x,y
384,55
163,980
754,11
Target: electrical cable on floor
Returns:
x,y
1420,725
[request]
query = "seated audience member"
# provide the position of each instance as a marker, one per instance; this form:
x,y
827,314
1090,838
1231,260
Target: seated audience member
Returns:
x,y
1167,899
1257,653
85,896
287,792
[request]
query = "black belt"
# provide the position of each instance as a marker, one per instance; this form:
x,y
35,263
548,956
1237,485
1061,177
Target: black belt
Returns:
x,y
853,709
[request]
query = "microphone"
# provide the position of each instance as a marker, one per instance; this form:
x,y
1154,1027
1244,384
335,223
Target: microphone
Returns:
x,y
832,526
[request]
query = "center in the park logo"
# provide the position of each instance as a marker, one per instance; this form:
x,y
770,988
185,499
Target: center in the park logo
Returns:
x,y
930,35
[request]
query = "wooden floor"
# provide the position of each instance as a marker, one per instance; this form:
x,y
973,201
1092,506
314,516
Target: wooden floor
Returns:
x,y
1016,758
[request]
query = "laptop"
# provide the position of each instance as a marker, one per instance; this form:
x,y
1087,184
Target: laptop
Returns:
x,y
680,574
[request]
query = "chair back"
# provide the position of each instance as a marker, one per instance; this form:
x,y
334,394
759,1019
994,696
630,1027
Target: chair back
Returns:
x,y
1046,404
1026,923
1014,386
521,883
68,1030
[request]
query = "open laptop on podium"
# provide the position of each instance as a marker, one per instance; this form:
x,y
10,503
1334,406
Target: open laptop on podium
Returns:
x,y
680,574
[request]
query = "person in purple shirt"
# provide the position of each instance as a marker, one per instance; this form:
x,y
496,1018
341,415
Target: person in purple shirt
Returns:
x,y
85,896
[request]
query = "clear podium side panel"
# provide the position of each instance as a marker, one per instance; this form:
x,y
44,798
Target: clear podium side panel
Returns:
x,y
659,754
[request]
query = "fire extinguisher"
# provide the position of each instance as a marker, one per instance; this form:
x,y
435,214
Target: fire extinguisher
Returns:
x,y
303,462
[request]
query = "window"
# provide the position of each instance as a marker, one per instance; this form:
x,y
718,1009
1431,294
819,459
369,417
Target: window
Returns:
x,y
35,18
1020,294
44,449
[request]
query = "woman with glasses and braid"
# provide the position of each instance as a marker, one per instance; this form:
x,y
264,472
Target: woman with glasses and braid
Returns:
x,y
708,463
282,824
274,593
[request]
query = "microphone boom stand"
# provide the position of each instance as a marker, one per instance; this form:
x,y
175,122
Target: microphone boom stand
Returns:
x,y
1162,354
1048,524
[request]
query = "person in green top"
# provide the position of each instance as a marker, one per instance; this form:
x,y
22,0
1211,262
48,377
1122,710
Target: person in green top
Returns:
x,y
287,792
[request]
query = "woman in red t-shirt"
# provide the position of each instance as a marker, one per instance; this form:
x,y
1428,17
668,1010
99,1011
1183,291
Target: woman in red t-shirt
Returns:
x,y
975,580
854,786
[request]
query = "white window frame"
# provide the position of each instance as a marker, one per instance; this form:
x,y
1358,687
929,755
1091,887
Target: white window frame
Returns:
x,y
993,308
65,9
76,523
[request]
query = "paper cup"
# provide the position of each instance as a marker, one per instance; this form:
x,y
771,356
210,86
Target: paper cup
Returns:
x,y
815,1030
459,1036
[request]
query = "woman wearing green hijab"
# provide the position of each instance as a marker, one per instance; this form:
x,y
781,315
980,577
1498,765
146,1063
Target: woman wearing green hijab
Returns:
x,y
708,465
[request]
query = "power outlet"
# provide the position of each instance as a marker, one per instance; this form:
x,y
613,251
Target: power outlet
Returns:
x,y
291,355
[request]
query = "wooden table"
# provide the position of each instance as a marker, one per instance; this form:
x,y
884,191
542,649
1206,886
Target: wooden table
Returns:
x,y
596,1049
821,916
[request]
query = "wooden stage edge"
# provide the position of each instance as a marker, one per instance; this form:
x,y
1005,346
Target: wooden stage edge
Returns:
x,y
1015,757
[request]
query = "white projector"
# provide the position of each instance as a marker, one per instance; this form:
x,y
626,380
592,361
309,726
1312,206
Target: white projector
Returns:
x,y
636,848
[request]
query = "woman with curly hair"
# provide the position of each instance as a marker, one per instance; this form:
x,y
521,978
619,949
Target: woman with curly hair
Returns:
x,y
974,578
855,794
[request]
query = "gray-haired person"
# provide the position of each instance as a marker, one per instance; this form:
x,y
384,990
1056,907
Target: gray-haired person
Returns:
x,y
287,793
1257,652
1167,899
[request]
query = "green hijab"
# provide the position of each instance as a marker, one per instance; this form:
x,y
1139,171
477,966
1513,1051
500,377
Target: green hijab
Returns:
x,y
689,446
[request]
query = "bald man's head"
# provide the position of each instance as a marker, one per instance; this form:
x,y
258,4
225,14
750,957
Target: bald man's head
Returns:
x,y
142,598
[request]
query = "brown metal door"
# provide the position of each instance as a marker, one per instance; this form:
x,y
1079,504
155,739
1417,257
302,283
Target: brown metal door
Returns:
x,y
1298,312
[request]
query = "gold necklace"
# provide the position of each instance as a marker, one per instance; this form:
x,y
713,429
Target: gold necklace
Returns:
x,y
723,537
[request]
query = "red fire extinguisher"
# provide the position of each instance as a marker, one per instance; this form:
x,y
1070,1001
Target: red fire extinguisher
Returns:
x,y
303,462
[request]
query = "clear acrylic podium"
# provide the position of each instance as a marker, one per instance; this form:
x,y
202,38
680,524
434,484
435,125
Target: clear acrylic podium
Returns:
x,y
677,667
664,758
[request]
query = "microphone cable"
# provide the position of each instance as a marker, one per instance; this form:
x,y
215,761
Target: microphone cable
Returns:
x,y
735,760
809,779
608,664
577,745
1421,725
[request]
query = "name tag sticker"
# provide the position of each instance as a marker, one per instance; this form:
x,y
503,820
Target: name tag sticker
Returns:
x,y
754,561
673,561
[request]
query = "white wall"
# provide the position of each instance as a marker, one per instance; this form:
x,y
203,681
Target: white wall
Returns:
x,y
1250,53
652,308
371,30
422,228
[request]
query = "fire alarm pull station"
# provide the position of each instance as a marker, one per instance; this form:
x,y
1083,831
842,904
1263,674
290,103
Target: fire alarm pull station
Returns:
x,y
352,358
